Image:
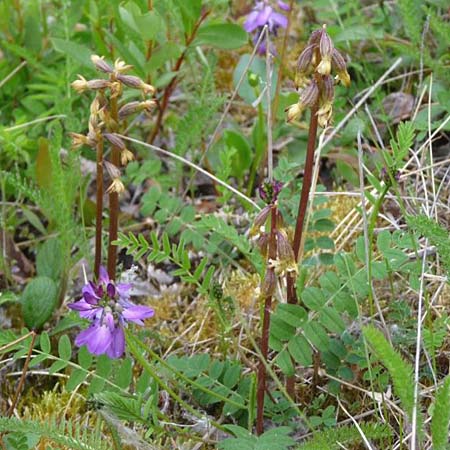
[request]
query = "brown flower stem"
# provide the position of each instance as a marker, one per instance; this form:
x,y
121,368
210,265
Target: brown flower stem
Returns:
x,y
24,374
304,196
99,209
113,204
171,86
261,386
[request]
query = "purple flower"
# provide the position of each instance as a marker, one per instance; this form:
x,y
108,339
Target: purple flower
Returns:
x,y
107,305
269,191
264,14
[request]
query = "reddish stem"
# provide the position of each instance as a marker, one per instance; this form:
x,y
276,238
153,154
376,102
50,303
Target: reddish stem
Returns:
x,y
23,376
261,387
302,206
171,86
99,209
113,205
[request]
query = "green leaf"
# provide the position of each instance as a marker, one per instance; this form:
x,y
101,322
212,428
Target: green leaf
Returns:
x,y
317,335
164,53
227,36
284,362
242,159
39,301
300,350
441,417
64,347
84,357
399,370
57,366
124,373
78,52
44,342
331,319
49,259
76,378
313,298
293,315
150,24
190,13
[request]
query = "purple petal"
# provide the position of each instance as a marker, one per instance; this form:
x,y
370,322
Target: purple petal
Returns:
x,y
85,309
99,340
111,290
122,290
264,16
103,276
89,293
108,320
278,19
85,335
251,24
80,305
117,346
137,313
284,6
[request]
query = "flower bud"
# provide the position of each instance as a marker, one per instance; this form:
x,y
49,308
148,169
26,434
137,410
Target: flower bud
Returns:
x,y
340,66
315,37
284,248
261,217
263,244
305,58
324,114
116,186
324,67
101,64
310,94
78,140
115,140
338,60
269,190
325,45
113,171
134,107
328,88
128,109
116,89
120,66
80,85
136,83
126,156
294,112
269,283
98,84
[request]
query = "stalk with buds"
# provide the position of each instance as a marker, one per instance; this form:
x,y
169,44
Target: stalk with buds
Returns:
x,y
107,118
277,250
314,79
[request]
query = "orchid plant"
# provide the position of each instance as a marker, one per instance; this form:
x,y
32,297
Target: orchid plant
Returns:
x,y
104,303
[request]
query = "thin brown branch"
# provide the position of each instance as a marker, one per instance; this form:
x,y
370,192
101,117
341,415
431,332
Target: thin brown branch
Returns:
x,y
262,372
113,205
99,209
173,83
302,206
24,374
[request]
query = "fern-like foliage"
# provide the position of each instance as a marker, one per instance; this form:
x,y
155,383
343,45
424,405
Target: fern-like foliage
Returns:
x,y
436,233
400,371
441,417
336,438
67,433
412,14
